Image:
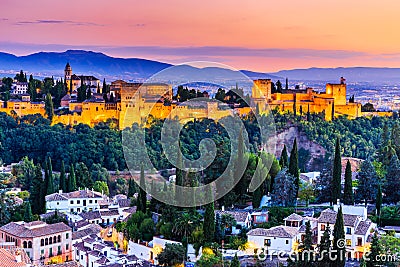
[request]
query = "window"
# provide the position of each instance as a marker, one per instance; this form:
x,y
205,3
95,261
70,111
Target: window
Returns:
x,y
267,242
287,242
322,227
71,202
66,235
25,244
54,239
59,250
348,231
66,246
58,203
348,242
51,252
47,241
359,241
72,210
42,252
59,238
42,242
78,202
90,201
29,244
50,241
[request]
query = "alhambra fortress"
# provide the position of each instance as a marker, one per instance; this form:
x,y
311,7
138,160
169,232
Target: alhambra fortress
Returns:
x,y
129,103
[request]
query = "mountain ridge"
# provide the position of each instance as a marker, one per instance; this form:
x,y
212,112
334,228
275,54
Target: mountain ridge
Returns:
x,y
103,65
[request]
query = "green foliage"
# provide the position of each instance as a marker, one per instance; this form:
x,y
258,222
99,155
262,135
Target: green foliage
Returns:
x,y
339,236
392,181
37,192
284,159
348,197
209,223
306,192
142,197
367,182
71,185
284,189
235,261
294,166
49,107
102,187
63,178
28,216
337,173
376,250
171,255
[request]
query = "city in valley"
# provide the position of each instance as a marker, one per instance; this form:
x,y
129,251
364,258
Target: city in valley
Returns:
x,y
177,134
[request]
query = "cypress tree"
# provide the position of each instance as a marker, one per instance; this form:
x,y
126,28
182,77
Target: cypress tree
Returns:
x,y
88,93
378,203
28,216
339,239
37,197
337,174
284,160
218,236
392,181
240,166
324,247
333,111
375,251
306,246
50,179
104,86
178,176
257,196
209,222
142,198
235,261
49,107
63,179
294,166
308,113
71,180
348,197
131,188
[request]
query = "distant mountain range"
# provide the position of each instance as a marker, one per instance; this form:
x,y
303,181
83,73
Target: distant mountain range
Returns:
x,y
98,64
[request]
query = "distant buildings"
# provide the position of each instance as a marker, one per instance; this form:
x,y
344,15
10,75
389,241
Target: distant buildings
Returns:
x,y
42,242
19,88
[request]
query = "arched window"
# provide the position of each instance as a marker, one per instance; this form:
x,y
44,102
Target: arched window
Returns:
x,y
42,242
29,244
59,238
47,241
50,241
25,244
54,239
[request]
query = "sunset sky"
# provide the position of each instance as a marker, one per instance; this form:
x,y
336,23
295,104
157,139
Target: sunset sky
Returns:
x,y
259,35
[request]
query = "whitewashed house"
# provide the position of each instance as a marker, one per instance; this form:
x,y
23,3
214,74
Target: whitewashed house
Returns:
x,y
277,239
77,201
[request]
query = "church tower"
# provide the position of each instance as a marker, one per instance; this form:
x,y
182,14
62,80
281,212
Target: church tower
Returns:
x,y
67,72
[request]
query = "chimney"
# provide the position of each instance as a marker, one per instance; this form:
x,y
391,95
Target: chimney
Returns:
x,y
223,208
60,191
18,256
338,202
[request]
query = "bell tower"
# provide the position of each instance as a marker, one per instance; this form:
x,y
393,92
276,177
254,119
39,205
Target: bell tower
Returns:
x,y
67,72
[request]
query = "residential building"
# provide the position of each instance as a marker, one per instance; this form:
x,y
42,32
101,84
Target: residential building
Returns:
x,y
77,201
242,218
358,228
11,256
42,242
278,239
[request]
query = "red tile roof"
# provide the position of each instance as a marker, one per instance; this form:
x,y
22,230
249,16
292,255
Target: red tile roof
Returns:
x,y
34,229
